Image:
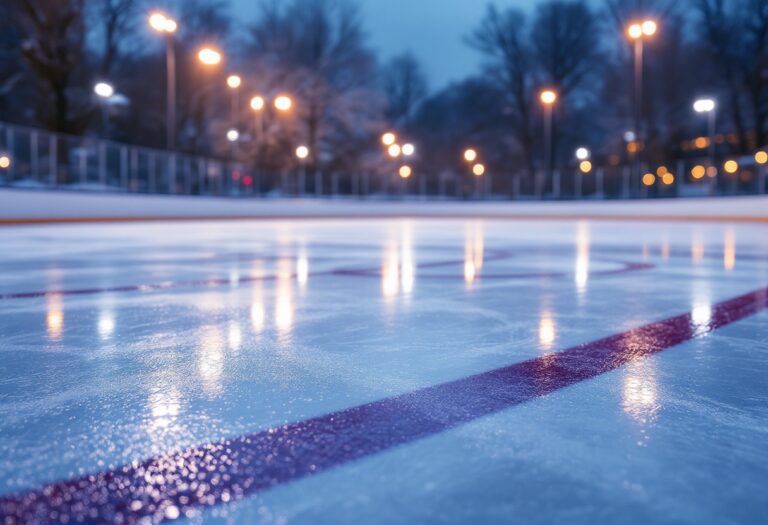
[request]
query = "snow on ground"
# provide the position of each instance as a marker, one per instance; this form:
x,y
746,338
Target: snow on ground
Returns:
x,y
31,205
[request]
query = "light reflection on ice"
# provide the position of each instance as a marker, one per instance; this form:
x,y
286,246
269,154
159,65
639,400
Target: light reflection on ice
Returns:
x,y
547,331
474,252
54,318
210,359
640,396
582,256
729,249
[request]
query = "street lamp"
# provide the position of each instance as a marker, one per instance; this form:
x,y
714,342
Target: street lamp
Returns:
x,y
708,106
209,57
233,83
548,98
470,155
388,138
104,91
302,152
637,32
478,170
394,151
233,135
405,172
283,103
408,149
582,153
161,23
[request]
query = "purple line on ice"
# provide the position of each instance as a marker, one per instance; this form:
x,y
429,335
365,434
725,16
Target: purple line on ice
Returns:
x,y
173,485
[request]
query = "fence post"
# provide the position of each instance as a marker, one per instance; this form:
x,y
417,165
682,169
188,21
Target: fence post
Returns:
x,y
103,163
53,148
625,182
34,154
600,174
124,168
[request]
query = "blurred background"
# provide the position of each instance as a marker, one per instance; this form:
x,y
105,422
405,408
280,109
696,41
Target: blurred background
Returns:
x,y
551,99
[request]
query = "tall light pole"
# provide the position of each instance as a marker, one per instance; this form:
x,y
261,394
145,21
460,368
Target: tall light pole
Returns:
x,y
233,83
168,26
104,91
302,152
708,106
637,32
548,98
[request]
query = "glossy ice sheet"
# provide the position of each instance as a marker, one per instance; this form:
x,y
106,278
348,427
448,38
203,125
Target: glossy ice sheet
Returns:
x,y
126,343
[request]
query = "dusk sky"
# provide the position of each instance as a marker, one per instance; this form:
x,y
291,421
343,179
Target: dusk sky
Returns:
x,y
433,30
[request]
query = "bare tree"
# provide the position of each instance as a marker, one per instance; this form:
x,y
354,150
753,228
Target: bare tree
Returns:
x,y
316,50
502,38
54,49
117,18
566,43
736,34
404,85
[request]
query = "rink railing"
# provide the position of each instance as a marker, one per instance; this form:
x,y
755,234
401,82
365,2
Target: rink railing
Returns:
x,y
41,159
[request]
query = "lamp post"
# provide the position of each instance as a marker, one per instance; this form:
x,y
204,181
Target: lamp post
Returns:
x,y
233,83
708,106
168,26
637,32
548,98
302,153
104,91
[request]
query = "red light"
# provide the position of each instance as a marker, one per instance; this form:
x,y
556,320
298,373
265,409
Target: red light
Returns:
x,y
235,175
247,180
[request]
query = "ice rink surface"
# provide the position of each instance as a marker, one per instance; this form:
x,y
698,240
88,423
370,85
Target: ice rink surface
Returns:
x,y
384,371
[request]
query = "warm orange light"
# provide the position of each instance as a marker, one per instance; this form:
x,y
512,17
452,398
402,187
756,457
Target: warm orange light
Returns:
x,y
388,138
405,171
283,103
209,57
668,179
632,147
649,28
731,166
701,142
661,170
698,172
761,157
161,23
585,166
478,170
470,155
5,162
257,103
234,81
711,172
394,151
548,97
635,31
649,179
